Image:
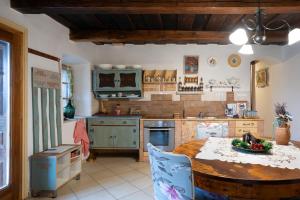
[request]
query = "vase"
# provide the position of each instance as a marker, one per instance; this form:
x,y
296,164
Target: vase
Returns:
x,y
282,135
69,110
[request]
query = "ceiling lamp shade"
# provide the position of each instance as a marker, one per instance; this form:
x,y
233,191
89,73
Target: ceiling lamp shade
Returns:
x,y
246,49
294,36
238,37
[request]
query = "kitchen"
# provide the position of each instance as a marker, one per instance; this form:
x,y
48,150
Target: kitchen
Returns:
x,y
139,75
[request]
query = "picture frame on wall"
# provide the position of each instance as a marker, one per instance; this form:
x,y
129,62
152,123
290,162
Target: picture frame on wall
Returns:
x,y
191,64
262,78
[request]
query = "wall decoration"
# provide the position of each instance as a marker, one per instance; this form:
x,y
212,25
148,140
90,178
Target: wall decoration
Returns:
x,y
228,83
234,60
231,109
241,108
212,61
191,64
262,78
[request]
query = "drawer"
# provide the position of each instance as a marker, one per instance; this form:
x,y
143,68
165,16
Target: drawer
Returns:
x,y
246,124
240,131
116,122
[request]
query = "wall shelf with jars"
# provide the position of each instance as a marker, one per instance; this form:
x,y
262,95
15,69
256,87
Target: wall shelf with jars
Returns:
x,y
190,85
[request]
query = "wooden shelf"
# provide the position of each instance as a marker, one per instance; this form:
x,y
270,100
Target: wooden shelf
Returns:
x,y
158,83
159,76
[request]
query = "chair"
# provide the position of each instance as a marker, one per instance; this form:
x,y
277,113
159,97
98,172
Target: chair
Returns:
x,y
173,178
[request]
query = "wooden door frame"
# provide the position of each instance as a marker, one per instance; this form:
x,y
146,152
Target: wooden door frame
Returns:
x,y
19,186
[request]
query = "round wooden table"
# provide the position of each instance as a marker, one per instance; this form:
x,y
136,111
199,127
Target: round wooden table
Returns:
x,y
241,181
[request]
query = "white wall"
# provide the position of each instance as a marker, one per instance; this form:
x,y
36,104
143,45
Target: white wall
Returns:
x,y
284,87
83,96
287,85
171,57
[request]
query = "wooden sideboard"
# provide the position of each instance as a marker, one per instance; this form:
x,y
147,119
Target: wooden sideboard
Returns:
x,y
186,130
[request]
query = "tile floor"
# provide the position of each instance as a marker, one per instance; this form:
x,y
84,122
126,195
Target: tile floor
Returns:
x,y
110,178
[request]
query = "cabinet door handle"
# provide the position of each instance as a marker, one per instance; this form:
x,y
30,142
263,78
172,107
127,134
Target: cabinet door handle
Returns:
x,y
134,130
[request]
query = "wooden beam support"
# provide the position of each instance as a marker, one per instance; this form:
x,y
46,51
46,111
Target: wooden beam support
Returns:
x,y
148,36
155,6
161,37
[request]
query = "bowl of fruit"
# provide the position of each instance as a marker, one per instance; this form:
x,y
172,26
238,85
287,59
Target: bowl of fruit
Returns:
x,y
250,144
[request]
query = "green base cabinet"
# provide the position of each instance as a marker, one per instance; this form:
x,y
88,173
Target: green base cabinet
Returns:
x,y
115,132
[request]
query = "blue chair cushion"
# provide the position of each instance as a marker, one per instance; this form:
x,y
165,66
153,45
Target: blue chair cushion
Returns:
x,y
201,194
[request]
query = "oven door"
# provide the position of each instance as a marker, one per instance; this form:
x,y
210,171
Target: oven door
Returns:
x,y
162,138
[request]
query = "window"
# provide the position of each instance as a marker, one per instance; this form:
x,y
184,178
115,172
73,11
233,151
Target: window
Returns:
x,y
66,84
4,114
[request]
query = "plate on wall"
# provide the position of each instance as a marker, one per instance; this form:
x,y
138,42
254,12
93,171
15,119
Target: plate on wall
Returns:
x,y
212,61
234,60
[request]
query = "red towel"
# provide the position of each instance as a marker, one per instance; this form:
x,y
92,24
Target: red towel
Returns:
x,y
80,135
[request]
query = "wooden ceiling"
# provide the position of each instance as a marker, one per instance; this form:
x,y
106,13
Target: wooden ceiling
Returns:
x,y
161,21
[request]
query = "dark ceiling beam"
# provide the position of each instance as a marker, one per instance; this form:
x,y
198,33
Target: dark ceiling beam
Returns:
x,y
155,7
157,36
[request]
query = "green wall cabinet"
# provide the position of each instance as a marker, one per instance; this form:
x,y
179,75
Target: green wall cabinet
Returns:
x,y
108,83
113,133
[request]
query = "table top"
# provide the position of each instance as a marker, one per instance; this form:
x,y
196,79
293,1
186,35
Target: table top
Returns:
x,y
236,172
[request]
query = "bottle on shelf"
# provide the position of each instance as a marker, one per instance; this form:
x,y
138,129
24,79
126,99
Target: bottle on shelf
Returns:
x,y
201,84
180,85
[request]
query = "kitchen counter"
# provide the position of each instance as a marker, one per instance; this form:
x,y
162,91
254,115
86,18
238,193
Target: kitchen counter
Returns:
x,y
204,119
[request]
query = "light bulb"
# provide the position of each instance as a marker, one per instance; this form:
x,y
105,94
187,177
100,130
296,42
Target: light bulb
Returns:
x,y
294,36
238,37
246,49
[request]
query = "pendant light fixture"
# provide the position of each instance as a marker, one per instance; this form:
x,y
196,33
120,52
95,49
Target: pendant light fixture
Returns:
x,y
294,36
240,36
246,49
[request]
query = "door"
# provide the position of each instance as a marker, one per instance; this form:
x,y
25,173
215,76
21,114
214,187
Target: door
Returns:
x,y
12,110
129,80
101,136
126,137
5,143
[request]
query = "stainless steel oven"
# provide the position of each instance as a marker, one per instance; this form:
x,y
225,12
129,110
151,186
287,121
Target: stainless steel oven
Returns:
x,y
160,133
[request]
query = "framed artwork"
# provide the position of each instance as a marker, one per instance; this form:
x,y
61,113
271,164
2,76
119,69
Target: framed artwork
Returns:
x,y
262,78
191,64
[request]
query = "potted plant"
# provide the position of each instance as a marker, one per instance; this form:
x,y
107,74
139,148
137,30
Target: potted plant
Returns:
x,y
282,121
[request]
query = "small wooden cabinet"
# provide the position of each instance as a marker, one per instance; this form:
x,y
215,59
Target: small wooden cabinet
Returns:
x,y
253,127
53,168
113,132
